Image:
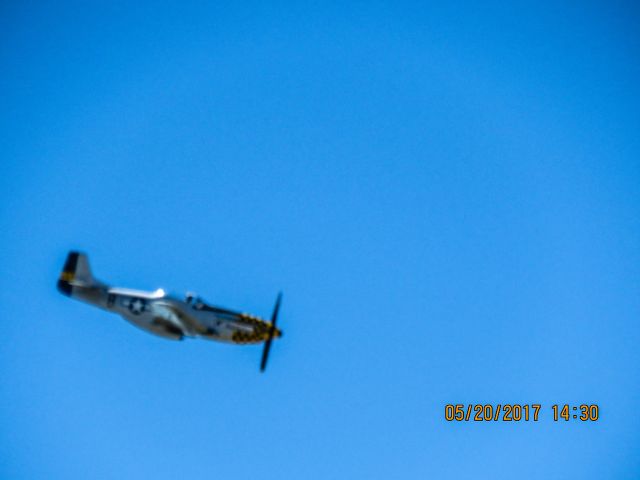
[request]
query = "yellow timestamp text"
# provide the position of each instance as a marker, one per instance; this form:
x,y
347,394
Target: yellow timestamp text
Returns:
x,y
514,412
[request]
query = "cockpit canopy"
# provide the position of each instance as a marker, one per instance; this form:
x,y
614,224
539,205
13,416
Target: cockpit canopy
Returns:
x,y
194,300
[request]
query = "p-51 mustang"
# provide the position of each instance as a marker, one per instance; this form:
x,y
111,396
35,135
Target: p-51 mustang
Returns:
x,y
166,315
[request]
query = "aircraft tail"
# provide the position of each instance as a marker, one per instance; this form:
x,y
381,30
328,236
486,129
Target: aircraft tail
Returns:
x,y
76,272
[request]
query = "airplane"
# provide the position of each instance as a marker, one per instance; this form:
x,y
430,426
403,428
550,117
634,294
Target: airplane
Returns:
x,y
167,315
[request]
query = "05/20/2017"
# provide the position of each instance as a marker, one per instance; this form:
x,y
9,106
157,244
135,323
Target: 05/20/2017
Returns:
x,y
491,413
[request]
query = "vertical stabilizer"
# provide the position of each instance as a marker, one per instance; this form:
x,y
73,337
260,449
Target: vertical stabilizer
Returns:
x,y
75,273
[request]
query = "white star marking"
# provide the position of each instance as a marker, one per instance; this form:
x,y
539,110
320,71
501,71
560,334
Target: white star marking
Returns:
x,y
137,306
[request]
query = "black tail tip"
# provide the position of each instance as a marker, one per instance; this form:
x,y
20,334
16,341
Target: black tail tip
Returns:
x,y
71,263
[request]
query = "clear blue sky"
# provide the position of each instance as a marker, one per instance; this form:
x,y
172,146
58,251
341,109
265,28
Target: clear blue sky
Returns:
x,y
449,197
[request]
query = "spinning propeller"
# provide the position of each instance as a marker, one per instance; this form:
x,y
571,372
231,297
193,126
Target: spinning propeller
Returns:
x,y
272,332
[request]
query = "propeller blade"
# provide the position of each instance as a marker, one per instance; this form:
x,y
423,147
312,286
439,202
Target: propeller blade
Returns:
x,y
265,354
274,315
272,331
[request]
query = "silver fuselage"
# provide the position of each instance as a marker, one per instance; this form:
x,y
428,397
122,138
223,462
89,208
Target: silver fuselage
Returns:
x,y
159,313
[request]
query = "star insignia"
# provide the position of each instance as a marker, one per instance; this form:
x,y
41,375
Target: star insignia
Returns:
x,y
137,306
